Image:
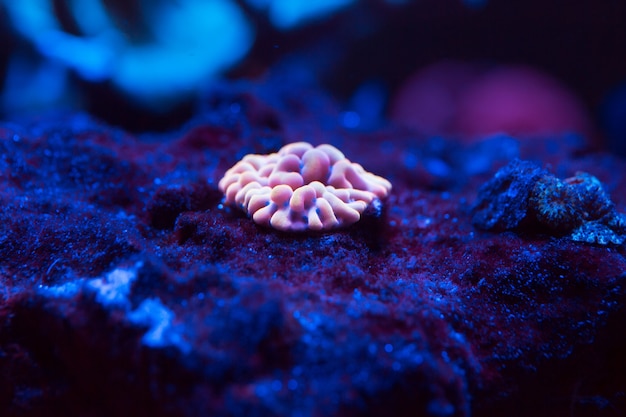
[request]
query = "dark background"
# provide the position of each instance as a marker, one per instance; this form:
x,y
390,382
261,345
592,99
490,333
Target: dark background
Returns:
x,y
581,43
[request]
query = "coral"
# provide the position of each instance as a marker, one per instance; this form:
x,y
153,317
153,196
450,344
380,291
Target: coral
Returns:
x,y
555,204
463,99
171,64
598,233
503,201
302,187
523,193
617,221
577,203
593,201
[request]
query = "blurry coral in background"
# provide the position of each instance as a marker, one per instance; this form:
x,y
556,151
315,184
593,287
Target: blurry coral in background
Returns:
x,y
286,14
183,43
451,67
157,54
521,101
461,99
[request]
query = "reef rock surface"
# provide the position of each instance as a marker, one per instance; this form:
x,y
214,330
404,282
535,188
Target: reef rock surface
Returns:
x,y
127,288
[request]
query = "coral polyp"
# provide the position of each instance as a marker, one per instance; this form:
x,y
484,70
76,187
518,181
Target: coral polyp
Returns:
x,y
593,201
555,204
302,188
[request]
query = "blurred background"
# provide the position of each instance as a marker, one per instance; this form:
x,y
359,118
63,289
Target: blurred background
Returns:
x,y
463,68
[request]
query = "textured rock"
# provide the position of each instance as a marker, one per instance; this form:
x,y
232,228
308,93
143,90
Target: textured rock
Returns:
x,y
127,288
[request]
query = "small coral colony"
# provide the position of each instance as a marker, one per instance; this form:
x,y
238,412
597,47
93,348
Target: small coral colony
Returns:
x,y
522,195
305,188
302,188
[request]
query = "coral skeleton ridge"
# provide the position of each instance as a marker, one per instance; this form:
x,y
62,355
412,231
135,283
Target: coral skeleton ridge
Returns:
x,y
302,188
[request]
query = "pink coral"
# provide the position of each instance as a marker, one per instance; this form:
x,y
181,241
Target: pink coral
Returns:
x,y
302,187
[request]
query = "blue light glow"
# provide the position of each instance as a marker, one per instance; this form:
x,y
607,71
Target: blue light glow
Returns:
x,y
29,86
195,40
286,14
192,42
31,17
91,16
